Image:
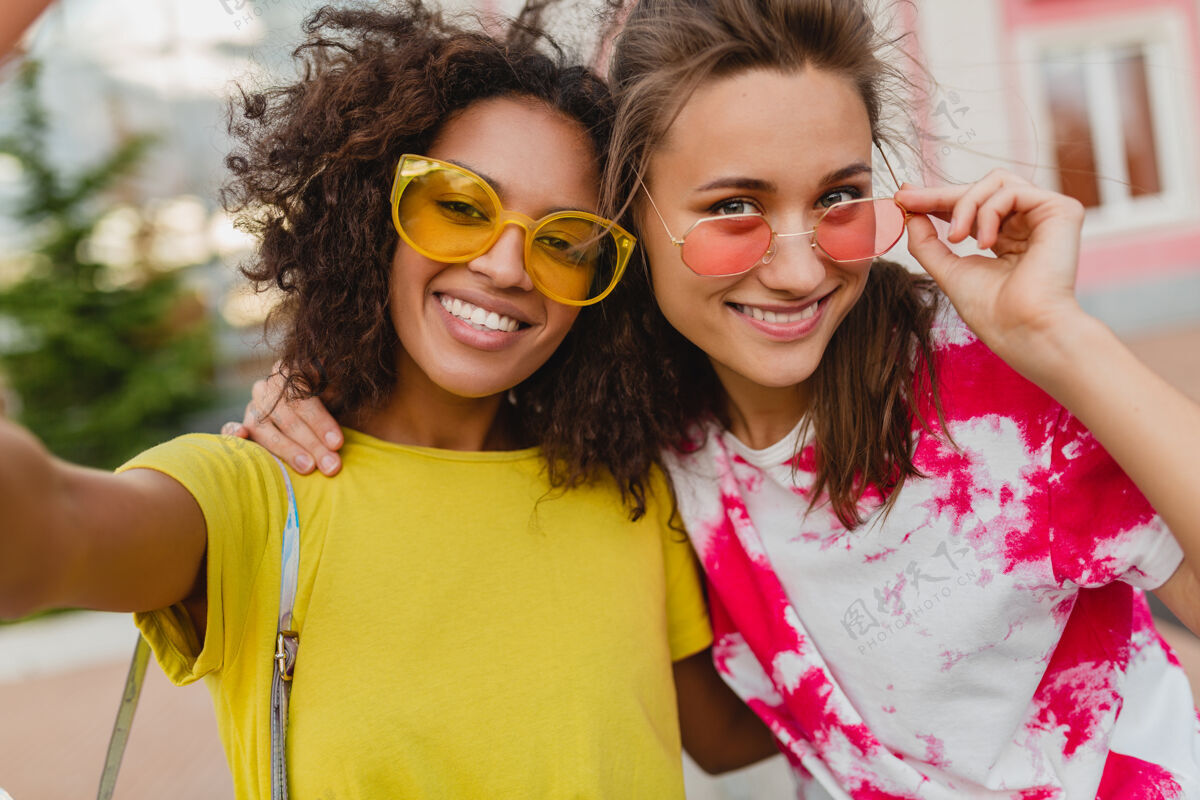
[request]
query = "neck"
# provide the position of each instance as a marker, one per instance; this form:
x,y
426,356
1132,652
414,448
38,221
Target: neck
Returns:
x,y
761,415
420,413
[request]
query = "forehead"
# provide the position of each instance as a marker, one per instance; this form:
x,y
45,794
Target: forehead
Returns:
x,y
535,155
766,123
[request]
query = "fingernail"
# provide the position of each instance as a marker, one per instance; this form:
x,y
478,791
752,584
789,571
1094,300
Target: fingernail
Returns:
x,y
332,439
328,464
303,462
229,429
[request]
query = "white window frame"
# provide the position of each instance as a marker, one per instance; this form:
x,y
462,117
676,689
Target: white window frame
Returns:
x,y
1161,35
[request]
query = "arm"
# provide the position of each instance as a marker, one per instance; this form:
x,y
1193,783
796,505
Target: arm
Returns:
x,y
18,15
301,432
1151,429
719,731
1022,305
82,537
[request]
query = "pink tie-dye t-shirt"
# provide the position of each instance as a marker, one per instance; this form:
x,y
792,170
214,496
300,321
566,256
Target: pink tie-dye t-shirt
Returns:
x,y
986,638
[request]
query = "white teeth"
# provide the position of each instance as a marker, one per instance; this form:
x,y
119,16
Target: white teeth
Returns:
x,y
478,317
754,312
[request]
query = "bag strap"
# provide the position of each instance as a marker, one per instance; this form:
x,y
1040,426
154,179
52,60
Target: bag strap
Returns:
x,y
120,734
287,644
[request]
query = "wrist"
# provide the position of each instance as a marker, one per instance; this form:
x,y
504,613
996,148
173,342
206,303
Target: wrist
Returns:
x,y
1071,357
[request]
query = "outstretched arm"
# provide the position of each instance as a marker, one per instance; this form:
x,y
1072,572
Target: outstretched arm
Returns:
x,y
301,432
719,731
73,536
18,15
1022,305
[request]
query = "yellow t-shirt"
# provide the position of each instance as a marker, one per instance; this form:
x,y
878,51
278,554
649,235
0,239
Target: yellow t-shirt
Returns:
x,y
464,631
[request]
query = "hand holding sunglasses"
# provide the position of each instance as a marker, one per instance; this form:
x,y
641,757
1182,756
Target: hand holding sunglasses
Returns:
x,y
1022,297
450,214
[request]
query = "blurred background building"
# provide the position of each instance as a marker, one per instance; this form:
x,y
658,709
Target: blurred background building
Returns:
x,y
1098,98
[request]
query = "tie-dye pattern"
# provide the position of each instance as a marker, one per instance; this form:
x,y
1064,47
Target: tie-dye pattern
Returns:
x,y
986,638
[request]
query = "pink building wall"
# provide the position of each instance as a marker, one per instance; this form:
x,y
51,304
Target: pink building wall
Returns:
x,y
1109,260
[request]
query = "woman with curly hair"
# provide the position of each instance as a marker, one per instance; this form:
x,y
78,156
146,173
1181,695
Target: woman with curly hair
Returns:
x,y
482,612
927,507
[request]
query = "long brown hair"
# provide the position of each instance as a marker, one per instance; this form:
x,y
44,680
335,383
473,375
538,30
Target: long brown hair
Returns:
x,y
879,360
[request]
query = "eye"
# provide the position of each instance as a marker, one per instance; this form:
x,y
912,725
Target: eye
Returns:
x,y
734,205
462,209
565,249
843,195
568,240
552,242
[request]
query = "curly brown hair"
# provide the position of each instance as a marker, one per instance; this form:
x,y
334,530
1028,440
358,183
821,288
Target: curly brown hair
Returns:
x,y
311,177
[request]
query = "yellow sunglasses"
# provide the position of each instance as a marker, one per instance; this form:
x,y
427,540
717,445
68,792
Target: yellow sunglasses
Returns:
x,y
450,214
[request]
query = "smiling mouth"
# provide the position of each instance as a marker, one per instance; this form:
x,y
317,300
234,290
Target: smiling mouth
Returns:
x,y
479,318
778,317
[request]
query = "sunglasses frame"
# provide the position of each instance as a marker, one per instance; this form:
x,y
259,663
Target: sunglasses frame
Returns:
x,y
412,166
769,253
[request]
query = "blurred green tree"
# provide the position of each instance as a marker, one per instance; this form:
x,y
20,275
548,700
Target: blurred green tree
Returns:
x,y
102,367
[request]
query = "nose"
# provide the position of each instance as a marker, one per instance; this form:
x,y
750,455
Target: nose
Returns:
x,y
504,262
791,264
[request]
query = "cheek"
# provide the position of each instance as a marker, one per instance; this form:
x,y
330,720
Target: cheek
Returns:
x,y
667,271
857,275
684,299
559,319
407,272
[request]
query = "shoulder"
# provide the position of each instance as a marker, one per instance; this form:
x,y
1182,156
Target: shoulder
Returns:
x,y
973,382
953,341
204,447
212,467
693,465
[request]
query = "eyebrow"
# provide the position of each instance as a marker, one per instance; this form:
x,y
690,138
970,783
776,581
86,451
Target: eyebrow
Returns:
x,y
498,188
759,185
749,184
849,171
488,179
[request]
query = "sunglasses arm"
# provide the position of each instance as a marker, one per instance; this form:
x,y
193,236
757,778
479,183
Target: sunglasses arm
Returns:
x,y
676,242
895,180
886,163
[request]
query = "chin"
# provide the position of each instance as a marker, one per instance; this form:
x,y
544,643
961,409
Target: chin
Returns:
x,y
476,391
777,376
473,385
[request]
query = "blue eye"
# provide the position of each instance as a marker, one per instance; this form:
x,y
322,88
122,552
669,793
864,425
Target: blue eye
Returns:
x,y
842,195
735,205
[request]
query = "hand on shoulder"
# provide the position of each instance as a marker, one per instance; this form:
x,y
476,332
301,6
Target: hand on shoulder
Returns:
x,y
301,432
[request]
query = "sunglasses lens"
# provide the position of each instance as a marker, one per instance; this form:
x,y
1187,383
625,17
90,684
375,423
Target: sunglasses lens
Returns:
x,y
574,258
858,230
450,215
726,245
447,213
